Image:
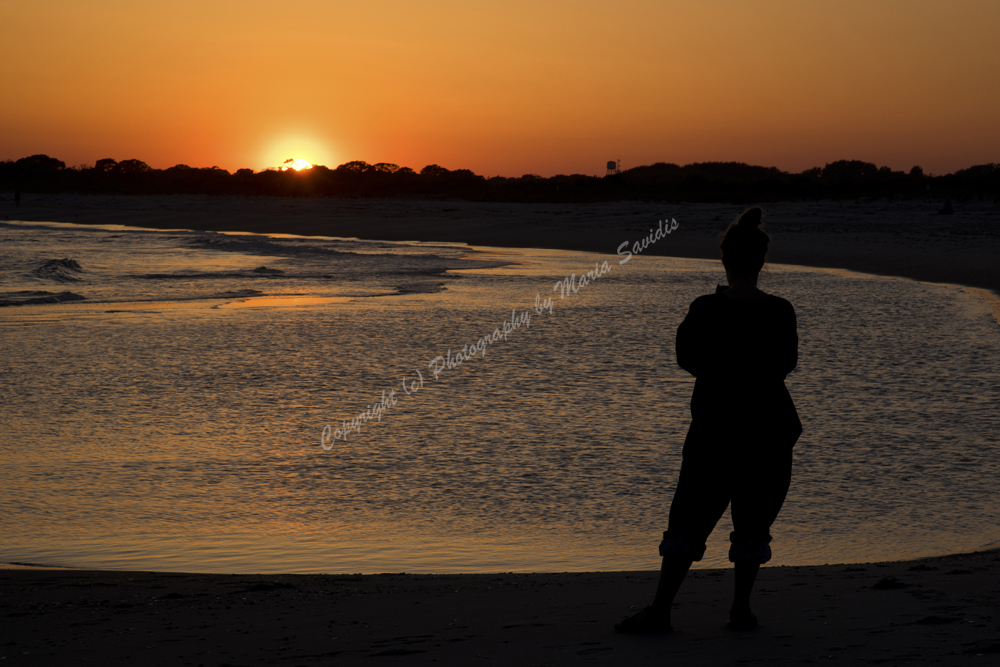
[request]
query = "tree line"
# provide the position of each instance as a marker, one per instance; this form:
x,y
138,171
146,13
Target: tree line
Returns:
x,y
699,182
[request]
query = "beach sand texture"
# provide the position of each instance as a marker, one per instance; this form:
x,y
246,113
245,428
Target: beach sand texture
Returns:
x,y
938,611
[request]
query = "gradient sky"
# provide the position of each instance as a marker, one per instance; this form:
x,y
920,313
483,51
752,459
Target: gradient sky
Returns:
x,y
502,87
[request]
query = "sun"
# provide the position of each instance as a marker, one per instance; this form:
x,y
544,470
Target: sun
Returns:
x,y
296,151
297,163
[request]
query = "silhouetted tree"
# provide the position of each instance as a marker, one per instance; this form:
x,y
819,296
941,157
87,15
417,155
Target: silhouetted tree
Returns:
x,y
132,167
38,166
356,166
848,171
433,170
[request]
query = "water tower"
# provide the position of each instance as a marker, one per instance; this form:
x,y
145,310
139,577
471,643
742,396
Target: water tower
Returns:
x,y
614,167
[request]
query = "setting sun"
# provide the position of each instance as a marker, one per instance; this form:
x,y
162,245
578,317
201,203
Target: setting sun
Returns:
x,y
298,164
305,147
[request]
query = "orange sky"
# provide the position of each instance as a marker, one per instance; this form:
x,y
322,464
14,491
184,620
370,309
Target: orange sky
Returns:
x,y
502,87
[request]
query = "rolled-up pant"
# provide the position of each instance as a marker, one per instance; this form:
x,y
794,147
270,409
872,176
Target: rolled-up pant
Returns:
x,y
756,488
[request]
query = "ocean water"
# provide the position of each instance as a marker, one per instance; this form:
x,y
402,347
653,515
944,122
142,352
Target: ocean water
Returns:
x,y
173,418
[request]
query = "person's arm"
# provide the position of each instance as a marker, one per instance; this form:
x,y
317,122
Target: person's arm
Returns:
x,y
789,349
689,353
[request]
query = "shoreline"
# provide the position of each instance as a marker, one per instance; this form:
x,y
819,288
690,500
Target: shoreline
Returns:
x,y
943,609
904,238
990,550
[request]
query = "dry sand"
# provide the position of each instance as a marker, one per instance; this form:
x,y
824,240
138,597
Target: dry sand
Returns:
x,y
902,238
939,611
944,611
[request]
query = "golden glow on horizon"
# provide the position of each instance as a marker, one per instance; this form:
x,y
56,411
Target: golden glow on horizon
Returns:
x,y
298,164
520,87
307,152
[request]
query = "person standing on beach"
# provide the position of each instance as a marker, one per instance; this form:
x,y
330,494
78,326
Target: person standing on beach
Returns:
x,y
739,343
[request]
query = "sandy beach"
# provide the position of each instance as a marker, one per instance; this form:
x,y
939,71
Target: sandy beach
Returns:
x,y
940,611
906,238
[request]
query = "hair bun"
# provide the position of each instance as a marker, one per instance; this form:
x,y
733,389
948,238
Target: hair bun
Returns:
x,y
744,244
751,218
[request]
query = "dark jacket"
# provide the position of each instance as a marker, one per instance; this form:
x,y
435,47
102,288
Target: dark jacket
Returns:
x,y
739,353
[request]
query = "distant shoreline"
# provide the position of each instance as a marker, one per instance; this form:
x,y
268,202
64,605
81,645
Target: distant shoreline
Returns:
x,y
905,238
662,181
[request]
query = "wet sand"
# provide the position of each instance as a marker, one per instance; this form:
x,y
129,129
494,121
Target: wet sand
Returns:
x,y
904,238
941,611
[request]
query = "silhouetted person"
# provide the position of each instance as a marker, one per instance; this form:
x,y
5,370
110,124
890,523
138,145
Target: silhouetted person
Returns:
x,y
17,197
739,343
946,209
